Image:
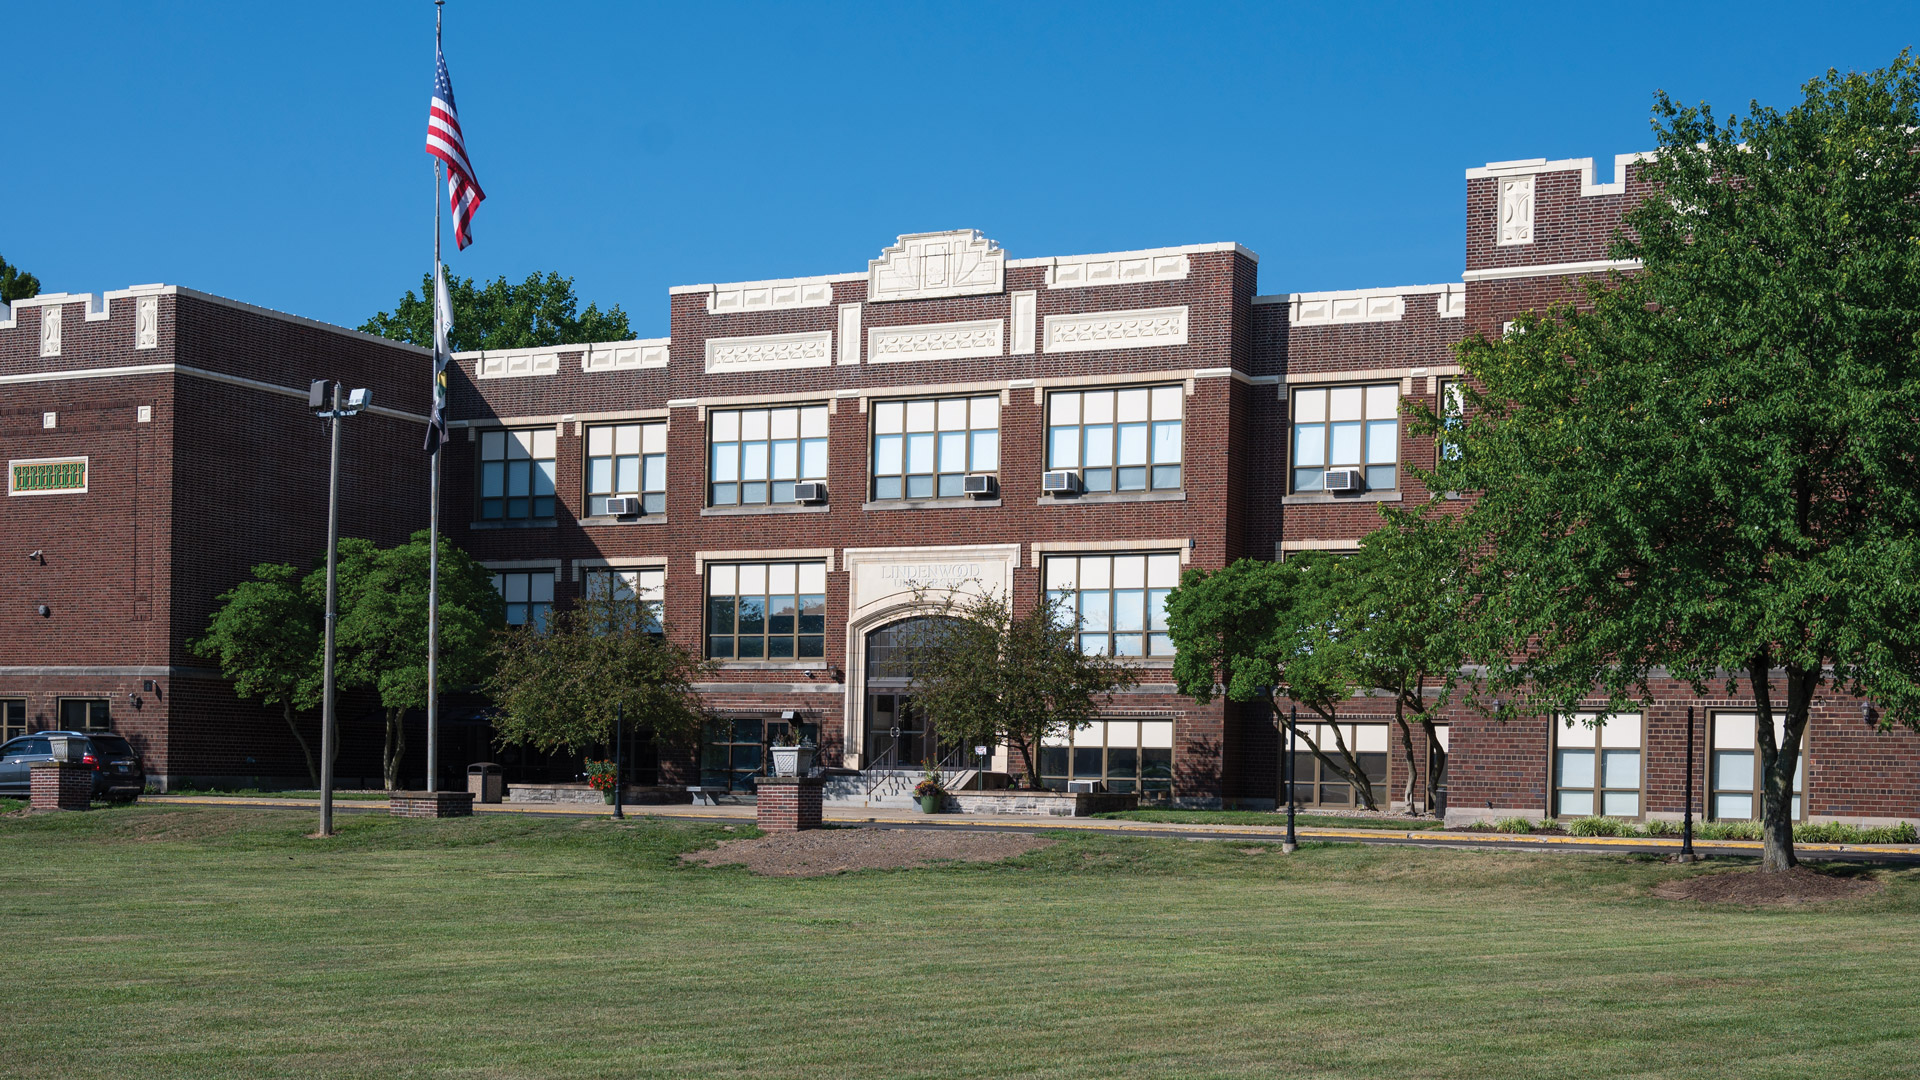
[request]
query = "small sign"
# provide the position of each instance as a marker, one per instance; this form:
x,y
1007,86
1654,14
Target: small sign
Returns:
x,y
47,476
980,751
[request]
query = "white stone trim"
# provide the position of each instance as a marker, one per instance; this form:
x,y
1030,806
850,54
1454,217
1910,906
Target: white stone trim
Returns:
x,y
614,417
1124,268
769,352
1023,307
198,373
702,558
498,565
849,334
1042,548
1284,546
919,266
1588,189
776,295
516,363
1375,375
99,308
771,283
146,322
625,355
976,339
1452,304
1183,249
1594,266
1140,328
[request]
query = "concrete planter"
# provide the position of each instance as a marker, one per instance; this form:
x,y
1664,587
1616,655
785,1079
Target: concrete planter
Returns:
x,y
792,760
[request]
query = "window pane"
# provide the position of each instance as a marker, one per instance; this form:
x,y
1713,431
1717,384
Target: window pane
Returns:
x,y
953,452
753,461
1098,442
600,475
888,454
1094,610
889,417
1733,770
726,462
1309,444
813,459
628,480
1086,761
1166,441
1575,804
1383,401
1166,476
1133,444
986,451
1346,444
1063,448
1307,479
1310,406
1620,768
1575,768
1383,442
1733,807
656,473
1620,804
1129,610
786,461
920,453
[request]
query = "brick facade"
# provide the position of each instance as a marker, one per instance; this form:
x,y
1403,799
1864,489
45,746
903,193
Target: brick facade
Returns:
x,y
228,471
788,804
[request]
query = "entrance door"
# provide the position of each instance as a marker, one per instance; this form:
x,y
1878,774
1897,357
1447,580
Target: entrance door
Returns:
x,y
898,735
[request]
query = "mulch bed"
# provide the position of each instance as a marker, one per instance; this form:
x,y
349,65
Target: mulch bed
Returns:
x,y
817,852
1753,888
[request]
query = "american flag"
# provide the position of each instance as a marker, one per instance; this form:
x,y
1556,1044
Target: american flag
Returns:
x,y
445,142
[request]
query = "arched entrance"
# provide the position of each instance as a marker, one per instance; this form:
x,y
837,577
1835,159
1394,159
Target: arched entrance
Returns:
x,y
897,734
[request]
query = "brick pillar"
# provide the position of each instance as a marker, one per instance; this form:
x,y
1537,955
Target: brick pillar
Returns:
x,y
430,804
789,803
61,785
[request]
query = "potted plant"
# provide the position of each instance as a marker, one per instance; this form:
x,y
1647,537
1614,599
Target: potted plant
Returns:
x,y
601,778
929,791
792,753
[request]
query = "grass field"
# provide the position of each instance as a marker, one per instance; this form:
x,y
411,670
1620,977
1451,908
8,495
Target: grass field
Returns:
x,y
165,941
1271,819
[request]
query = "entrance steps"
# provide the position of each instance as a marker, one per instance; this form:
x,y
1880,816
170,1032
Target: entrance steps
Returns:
x,y
887,787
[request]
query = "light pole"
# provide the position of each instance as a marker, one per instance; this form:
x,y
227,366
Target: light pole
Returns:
x,y
332,412
1686,814
619,766
1293,748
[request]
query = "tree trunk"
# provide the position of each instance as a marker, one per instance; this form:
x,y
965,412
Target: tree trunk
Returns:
x,y
1032,778
1779,762
396,747
313,774
1406,747
1436,763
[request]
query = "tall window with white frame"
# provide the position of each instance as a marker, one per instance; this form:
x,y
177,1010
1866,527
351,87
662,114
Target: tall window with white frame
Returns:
x,y
925,449
1118,601
1596,765
755,456
645,585
767,611
516,475
1737,786
1118,440
529,596
627,460
1346,427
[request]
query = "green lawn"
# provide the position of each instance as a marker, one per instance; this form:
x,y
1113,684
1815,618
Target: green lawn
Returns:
x,y
294,793
1270,819
164,941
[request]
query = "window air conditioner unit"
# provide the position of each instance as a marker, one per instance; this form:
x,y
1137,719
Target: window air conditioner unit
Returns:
x,y
1060,482
809,493
982,485
623,506
1345,480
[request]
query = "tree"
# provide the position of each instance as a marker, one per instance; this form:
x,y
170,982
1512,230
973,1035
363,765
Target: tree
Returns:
x,y
381,637
16,284
557,688
1257,630
266,636
541,310
1714,471
983,674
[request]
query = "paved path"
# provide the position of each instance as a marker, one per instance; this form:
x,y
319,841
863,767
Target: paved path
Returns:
x,y
890,818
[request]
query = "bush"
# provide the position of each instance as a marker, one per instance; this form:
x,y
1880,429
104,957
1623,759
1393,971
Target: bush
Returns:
x,y
1661,828
1513,825
1727,830
1600,826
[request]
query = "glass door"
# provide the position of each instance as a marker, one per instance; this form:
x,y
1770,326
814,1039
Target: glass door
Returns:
x,y
898,735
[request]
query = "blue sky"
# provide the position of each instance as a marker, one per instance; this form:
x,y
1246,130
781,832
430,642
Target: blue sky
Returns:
x,y
273,152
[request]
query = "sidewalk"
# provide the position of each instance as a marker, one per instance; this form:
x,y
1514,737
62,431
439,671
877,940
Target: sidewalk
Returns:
x,y
914,819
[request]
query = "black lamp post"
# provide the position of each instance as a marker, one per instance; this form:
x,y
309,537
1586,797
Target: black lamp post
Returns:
x,y
1293,747
1686,814
619,765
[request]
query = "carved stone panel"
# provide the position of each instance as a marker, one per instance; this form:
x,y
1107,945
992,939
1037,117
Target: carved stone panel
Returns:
x,y
1516,210
50,330
1139,329
146,323
769,352
922,265
883,578
935,341
625,355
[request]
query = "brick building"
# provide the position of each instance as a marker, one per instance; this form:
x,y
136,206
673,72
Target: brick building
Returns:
x,y
799,457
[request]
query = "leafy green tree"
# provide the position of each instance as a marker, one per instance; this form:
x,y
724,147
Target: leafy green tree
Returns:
x,y
266,637
1714,471
541,310
985,675
381,637
1257,631
558,688
16,284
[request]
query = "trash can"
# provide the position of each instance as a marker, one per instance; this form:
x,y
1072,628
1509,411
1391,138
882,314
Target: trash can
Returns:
x,y
485,782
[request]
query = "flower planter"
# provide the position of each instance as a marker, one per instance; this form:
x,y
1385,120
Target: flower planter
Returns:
x,y
930,804
607,796
792,760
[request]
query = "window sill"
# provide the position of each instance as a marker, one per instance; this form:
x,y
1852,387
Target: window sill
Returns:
x,y
636,519
958,503
1322,498
737,511
1112,497
534,523
771,665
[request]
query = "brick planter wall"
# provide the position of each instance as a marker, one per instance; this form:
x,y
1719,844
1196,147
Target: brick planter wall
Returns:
x,y
61,785
789,803
430,804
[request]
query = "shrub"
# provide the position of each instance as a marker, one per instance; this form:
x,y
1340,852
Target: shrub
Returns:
x,y
1600,826
1661,828
1513,825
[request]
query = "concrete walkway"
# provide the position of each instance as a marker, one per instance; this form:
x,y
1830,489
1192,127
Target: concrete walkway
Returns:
x,y
889,818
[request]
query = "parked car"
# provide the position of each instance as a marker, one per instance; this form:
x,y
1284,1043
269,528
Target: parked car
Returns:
x,y
118,773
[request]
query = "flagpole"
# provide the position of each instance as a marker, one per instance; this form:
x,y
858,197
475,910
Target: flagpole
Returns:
x,y
433,509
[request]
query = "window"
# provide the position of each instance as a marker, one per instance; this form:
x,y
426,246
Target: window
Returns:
x,y
529,596
733,753
645,585
627,459
1119,601
772,611
1353,427
83,714
1129,755
516,474
1314,784
13,718
1597,771
1736,785
1118,440
925,449
1453,417
754,456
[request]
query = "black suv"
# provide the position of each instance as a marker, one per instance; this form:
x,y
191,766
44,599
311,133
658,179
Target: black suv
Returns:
x,y
118,773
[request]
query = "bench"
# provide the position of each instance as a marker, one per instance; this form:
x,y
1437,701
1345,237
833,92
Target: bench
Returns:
x,y
705,796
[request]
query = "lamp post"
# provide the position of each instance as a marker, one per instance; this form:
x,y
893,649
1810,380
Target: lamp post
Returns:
x,y
332,412
1686,813
1292,843
619,766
